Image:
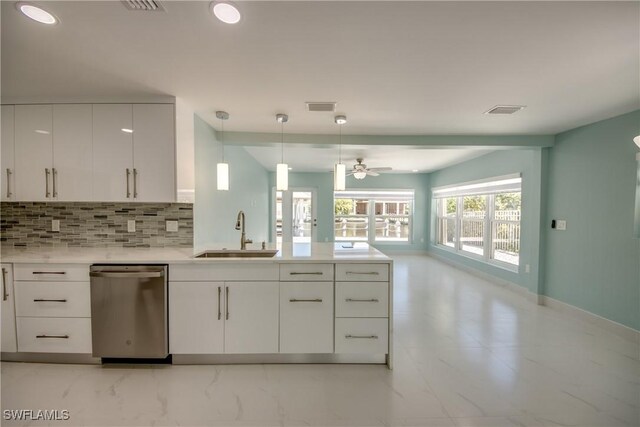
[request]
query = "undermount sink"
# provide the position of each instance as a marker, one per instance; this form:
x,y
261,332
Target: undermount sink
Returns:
x,y
235,253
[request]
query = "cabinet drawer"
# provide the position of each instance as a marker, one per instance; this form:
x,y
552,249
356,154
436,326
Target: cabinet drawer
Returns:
x,y
52,272
53,299
306,272
54,335
306,317
362,299
218,272
369,336
362,272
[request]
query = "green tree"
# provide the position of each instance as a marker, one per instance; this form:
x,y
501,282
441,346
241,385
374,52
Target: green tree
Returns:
x,y
343,206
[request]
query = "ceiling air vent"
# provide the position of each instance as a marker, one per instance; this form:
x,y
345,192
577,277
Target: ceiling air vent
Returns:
x,y
146,5
321,106
505,109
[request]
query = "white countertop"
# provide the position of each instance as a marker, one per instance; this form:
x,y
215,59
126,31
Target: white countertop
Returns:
x,y
297,252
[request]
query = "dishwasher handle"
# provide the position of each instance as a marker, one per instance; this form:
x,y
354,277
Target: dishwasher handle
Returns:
x,y
127,274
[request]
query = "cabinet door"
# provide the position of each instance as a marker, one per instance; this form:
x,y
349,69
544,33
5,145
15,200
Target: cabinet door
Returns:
x,y
196,321
251,324
33,152
7,181
154,152
112,152
72,157
306,317
9,342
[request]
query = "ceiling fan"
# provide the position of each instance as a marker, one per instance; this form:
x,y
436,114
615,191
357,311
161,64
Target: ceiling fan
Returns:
x,y
360,170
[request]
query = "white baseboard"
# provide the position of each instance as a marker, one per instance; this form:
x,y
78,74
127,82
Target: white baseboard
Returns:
x,y
616,328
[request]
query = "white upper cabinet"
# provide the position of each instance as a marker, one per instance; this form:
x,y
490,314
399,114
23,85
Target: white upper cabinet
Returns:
x,y
113,152
7,155
72,156
154,153
34,152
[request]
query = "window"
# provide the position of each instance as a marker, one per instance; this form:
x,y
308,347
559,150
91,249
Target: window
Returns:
x,y
481,219
373,216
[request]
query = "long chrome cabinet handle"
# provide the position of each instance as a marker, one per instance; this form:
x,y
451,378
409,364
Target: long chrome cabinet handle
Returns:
x,y
66,337
367,337
314,273
128,191
5,295
48,272
373,273
124,274
135,183
47,172
55,176
9,193
219,295
362,300
226,296
49,300
306,300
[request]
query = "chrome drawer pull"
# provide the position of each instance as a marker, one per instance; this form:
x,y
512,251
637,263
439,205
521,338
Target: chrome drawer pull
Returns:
x,y
374,273
4,284
47,193
49,300
66,337
219,292
9,194
226,305
315,273
367,337
306,300
128,175
362,300
49,272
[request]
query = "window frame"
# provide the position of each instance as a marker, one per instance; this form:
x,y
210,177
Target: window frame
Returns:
x,y
371,215
489,232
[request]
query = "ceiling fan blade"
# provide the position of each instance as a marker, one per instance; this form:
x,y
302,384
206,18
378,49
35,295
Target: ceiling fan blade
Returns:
x,y
380,169
349,173
372,173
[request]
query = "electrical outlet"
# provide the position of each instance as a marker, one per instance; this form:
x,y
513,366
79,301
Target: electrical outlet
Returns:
x,y
55,225
172,226
561,224
131,226
527,268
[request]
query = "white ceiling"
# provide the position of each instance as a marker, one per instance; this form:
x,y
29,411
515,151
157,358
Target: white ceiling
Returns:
x,y
393,67
403,159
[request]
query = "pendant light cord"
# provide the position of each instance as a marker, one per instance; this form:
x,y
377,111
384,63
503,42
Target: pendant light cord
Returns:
x,y
222,125
340,147
282,142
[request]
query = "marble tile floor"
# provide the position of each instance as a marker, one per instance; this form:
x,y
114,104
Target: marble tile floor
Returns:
x,y
467,353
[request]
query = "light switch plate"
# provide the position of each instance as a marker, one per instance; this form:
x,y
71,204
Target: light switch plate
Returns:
x,y
527,268
55,225
561,224
131,226
172,226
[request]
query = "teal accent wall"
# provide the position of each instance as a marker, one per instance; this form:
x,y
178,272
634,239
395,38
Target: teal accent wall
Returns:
x,y
323,183
595,263
215,211
527,162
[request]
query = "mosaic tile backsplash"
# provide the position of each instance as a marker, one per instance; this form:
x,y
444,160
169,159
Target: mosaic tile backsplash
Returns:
x,y
95,224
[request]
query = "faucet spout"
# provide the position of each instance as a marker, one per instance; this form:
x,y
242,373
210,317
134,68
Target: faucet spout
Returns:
x,y
240,223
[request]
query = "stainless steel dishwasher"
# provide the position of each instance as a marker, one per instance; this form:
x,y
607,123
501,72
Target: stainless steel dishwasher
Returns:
x,y
129,311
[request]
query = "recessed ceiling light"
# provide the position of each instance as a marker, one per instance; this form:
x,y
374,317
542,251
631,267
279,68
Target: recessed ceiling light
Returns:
x,y
340,120
127,130
414,170
36,13
226,12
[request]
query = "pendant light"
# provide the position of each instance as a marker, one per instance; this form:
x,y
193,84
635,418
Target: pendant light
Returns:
x,y
222,168
282,169
637,140
339,169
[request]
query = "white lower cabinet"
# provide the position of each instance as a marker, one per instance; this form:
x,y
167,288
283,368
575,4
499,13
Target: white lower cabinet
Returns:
x,y
196,321
362,335
9,341
53,299
54,335
223,317
306,317
251,317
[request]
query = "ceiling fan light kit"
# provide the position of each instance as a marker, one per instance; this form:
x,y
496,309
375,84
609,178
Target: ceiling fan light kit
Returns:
x,y
360,170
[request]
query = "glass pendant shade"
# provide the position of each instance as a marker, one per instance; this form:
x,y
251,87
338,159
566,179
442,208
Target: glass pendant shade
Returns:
x,y
223,176
282,177
339,177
